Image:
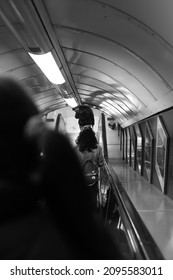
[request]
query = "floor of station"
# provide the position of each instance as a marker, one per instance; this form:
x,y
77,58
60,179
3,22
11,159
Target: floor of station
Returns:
x,y
155,208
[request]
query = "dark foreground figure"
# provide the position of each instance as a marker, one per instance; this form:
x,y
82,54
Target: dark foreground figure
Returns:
x,y
46,211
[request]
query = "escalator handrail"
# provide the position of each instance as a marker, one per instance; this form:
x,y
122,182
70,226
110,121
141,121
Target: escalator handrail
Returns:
x,y
60,125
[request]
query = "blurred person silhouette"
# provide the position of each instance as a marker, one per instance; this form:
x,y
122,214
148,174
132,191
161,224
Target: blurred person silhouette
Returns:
x,y
45,208
27,231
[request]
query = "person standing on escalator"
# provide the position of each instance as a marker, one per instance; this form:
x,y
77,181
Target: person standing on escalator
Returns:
x,y
91,159
89,151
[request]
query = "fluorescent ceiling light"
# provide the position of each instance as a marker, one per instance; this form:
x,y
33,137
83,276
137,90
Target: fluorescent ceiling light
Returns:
x,y
49,67
71,102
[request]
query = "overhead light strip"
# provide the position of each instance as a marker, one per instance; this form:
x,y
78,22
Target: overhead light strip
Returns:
x,y
49,67
71,102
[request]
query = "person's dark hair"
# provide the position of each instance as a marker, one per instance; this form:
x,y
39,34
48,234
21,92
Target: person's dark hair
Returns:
x,y
86,140
85,115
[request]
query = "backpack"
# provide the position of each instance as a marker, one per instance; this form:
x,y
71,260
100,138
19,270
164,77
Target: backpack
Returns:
x,y
91,171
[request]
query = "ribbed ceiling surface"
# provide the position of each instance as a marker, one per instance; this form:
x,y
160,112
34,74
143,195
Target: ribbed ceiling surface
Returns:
x,y
115,55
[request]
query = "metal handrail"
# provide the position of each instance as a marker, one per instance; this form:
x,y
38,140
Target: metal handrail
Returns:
x,y
60,124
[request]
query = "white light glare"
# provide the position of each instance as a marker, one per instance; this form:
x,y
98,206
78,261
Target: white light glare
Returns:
x,y
71,102
49,67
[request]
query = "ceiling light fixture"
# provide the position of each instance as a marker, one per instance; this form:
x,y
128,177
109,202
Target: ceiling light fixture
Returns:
x,y
49,67
71,102
37,37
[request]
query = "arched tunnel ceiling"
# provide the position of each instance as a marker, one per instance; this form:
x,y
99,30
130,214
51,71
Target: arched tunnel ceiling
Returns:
x,y
115,55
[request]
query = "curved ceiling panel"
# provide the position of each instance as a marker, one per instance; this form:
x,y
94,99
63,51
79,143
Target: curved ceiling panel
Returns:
x,y
106,44
153,15
114,55
133,67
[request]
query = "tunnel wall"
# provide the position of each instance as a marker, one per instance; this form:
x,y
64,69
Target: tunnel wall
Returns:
x,y
167,120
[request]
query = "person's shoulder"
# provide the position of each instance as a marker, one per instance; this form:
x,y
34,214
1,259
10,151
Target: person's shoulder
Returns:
x,y
75,148
99,148
77,151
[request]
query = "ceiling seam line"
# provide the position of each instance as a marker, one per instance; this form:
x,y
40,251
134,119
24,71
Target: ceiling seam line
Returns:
x,y
117,65
127,50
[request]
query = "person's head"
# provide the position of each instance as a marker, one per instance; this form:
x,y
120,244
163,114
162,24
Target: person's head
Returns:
x,y
86,140
85,115
18,153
